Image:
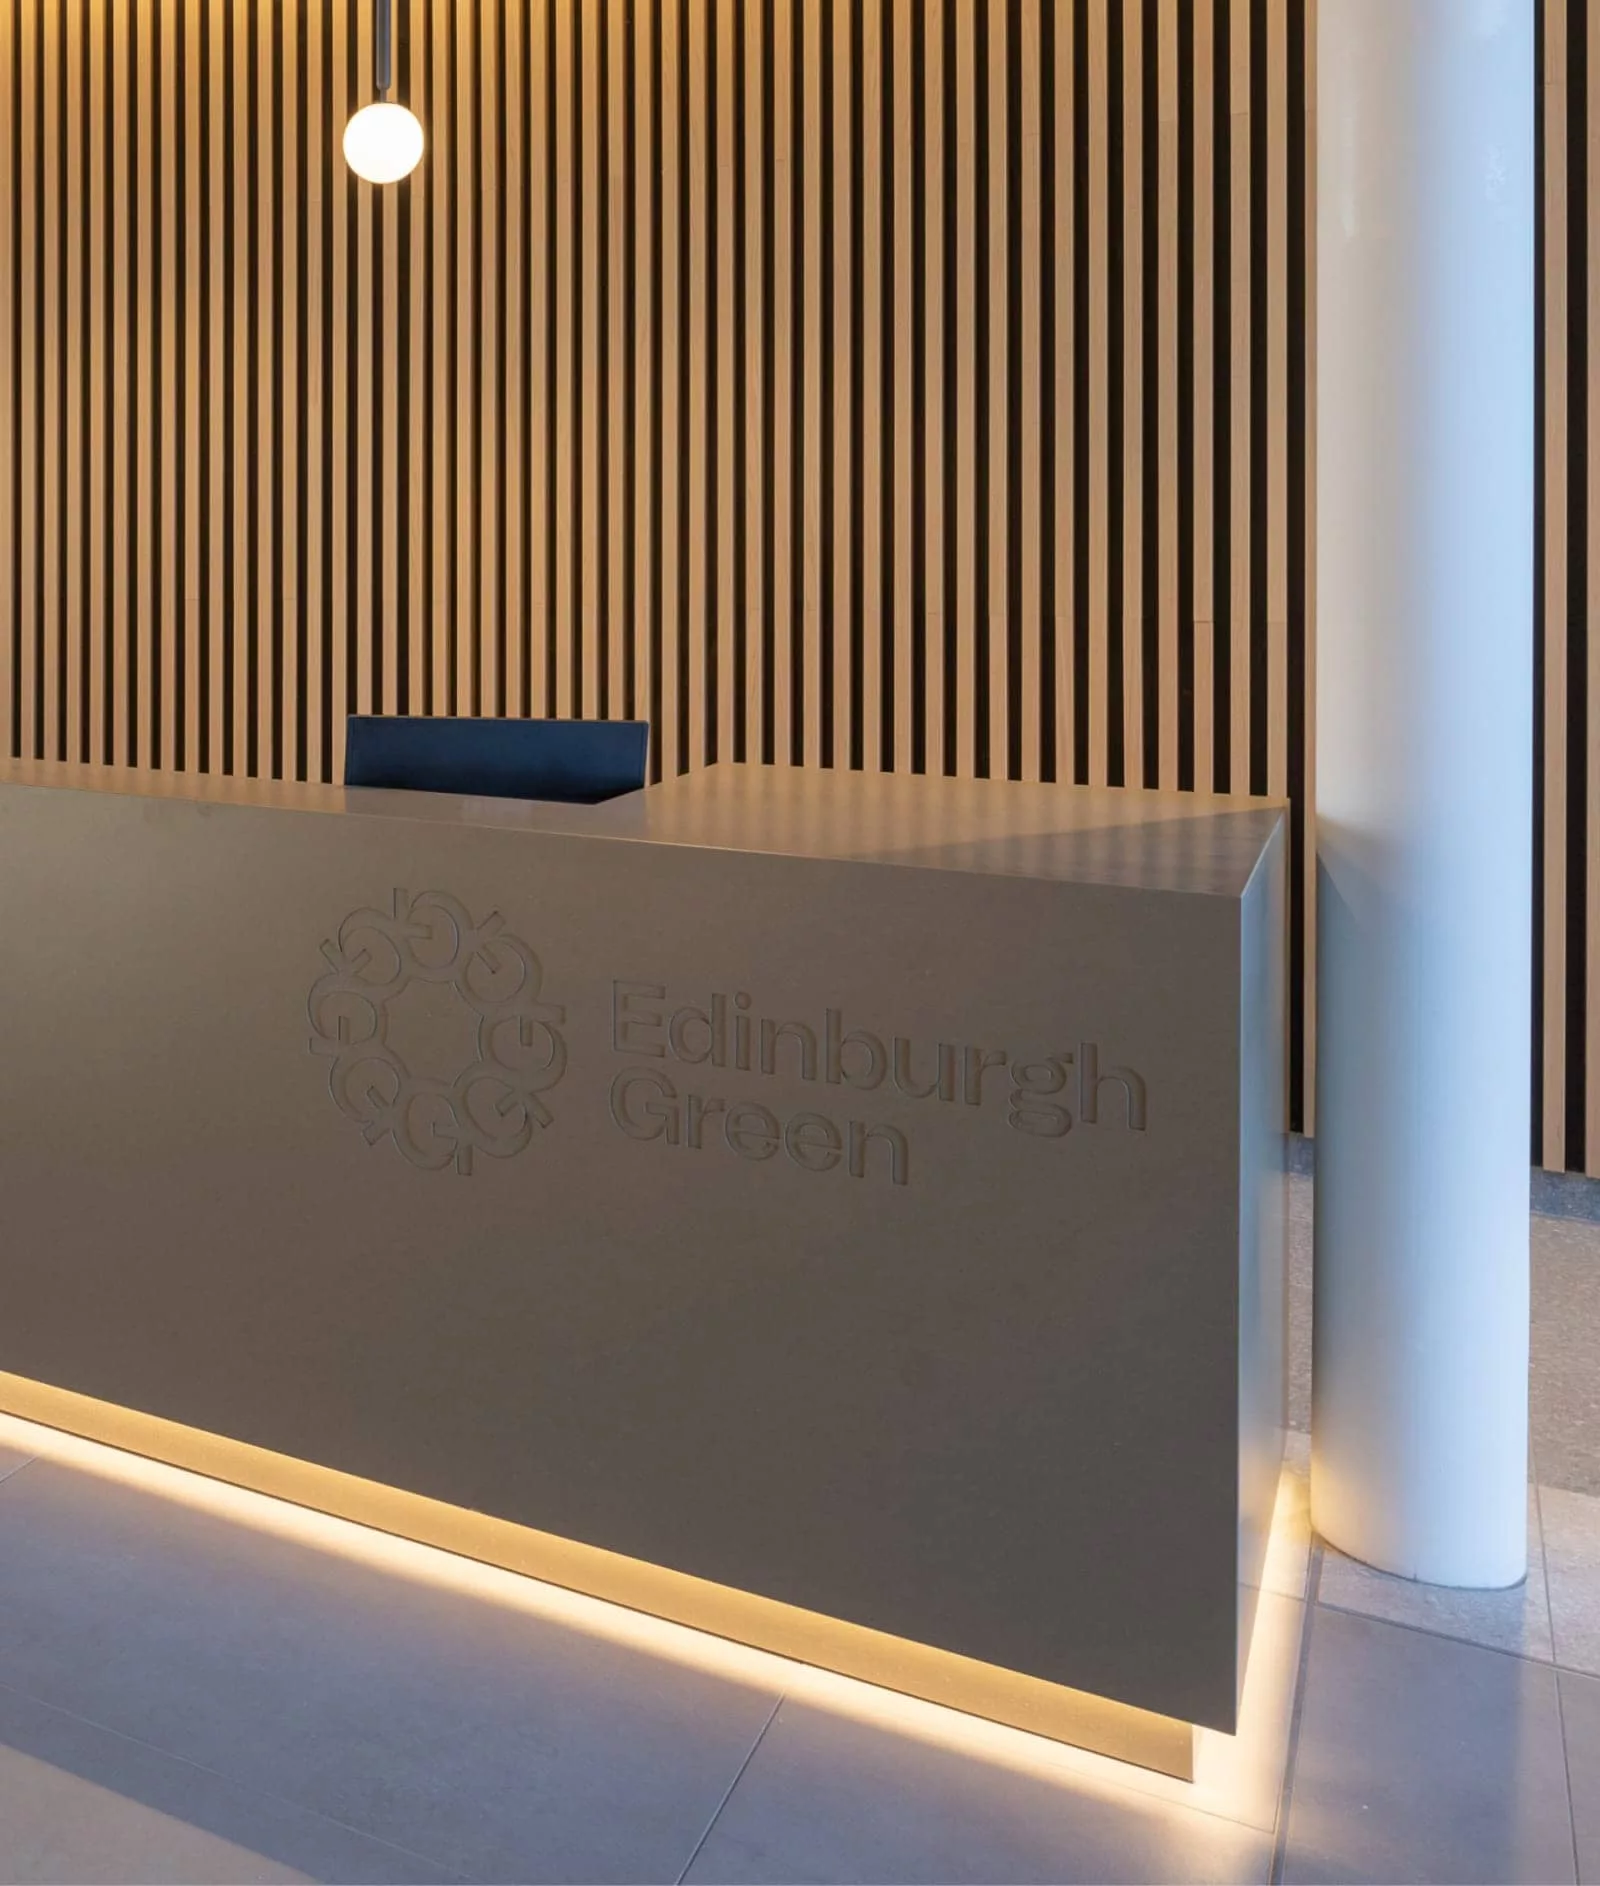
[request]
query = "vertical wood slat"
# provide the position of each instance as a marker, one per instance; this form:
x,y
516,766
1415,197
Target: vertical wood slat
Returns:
x,y
785,198
646,196
697,419
488,276
673,576
1134,394
589,322
53,217
1590,758
339,290
467,211
167,626
1166,392
842,356
30,379
387,578
898,551
145,343
997,370
318,411
563,250
1028,499
417,444
288,683
75,346
266,457
218,702
1202,207
11,434
808,150
441,225
541,495
961,311
242,395
940,604
1306,1004
1098,497
97,351
194,573
617,314
1241,599
756,496
153,237
1065,523
1275,318
1555,552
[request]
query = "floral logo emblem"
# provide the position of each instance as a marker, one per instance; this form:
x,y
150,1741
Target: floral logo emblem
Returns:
x,y
436,1032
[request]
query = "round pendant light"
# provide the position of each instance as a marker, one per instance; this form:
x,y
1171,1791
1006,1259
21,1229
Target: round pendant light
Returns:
x,y
383,142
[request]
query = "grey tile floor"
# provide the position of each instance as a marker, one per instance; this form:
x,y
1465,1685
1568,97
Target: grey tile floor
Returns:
x,y
190,1692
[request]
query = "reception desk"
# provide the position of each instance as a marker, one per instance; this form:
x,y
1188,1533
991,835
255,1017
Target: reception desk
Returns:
x,y
843,1213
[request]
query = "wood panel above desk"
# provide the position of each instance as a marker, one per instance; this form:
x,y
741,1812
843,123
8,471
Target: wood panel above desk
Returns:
x,y
917,384
903,384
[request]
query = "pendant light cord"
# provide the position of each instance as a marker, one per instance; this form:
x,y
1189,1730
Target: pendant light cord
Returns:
x,y
383,46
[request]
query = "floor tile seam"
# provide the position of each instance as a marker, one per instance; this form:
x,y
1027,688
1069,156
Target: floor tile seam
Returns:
x,y
1549,1607
1124,1788
1291,1747
1544,1573
1127,1791
231,1781
12,1472
1572,1493
1566,1769
1443,1637
1129,1794
1540,1489
728,1794
1567,1493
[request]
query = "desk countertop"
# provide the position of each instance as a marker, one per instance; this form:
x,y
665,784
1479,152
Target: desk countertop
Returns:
x,y
1199,843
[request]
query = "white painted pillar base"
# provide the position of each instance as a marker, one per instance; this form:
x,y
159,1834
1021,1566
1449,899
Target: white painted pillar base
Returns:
x,y
1425,362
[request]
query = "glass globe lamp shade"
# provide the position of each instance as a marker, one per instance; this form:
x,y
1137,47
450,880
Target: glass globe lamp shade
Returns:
x,y
383,143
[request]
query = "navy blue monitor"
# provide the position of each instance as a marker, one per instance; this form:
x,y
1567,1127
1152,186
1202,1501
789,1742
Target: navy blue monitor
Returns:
x,y
579,762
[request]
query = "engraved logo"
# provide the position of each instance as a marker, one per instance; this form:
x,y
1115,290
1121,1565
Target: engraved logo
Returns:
x,y
436,1032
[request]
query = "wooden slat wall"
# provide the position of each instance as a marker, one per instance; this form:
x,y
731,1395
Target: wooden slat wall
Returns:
x,y
909,384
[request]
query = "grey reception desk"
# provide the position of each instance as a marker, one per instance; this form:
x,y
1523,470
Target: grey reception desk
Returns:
x,y
843,1213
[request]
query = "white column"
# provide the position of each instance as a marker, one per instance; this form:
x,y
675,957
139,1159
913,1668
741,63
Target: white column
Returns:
x,y
1425,360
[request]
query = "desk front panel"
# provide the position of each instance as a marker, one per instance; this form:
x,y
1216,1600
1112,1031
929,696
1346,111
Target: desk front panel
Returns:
x,y
863,1237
